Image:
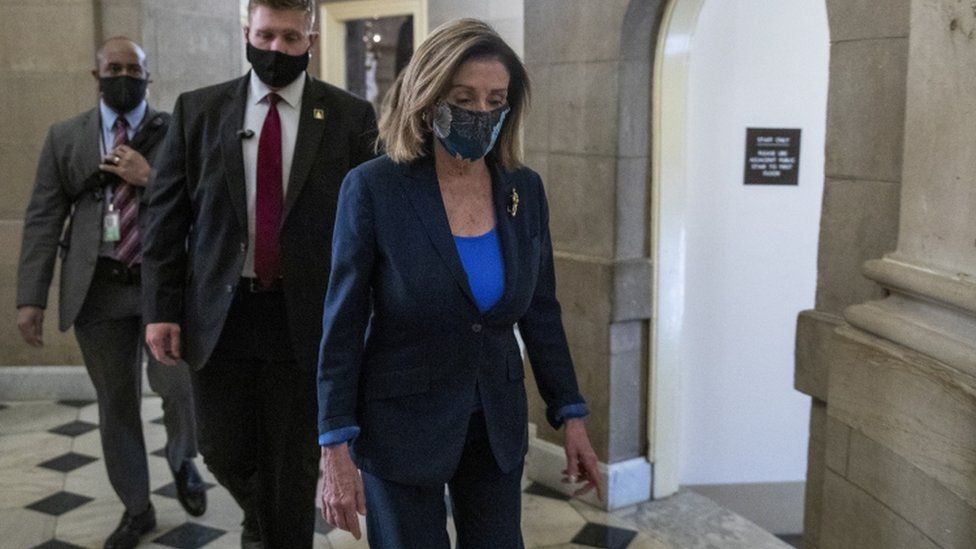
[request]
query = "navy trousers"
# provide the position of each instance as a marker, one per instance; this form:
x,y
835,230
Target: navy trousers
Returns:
x,y
486,503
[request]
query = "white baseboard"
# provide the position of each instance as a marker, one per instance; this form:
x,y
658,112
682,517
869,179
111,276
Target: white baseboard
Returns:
x,y
626,482
776,507
45,383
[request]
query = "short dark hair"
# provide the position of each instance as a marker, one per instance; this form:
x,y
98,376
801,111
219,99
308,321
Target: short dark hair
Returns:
x,y
306,6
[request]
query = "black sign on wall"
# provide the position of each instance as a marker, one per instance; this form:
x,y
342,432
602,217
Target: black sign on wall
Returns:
x,y
772,156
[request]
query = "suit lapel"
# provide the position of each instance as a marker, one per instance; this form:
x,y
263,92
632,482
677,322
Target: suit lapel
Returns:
x,y
312,123
89,148
231,121
151,122
424,195
502,188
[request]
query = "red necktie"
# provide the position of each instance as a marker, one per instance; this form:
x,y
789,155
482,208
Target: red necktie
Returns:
x,y
267,218
128,249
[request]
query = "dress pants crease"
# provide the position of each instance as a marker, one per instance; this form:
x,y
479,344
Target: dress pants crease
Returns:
x,y
109,333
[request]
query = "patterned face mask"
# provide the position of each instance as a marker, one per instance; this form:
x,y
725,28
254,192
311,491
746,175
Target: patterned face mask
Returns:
x,y
464,133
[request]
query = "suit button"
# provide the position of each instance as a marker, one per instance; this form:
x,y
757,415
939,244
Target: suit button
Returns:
x,y
476,328
229,288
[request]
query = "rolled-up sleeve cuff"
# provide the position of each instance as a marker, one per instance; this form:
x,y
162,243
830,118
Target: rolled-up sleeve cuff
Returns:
x,y
338,436
559,415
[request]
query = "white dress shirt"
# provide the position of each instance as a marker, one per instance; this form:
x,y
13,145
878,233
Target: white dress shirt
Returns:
x,y
255,111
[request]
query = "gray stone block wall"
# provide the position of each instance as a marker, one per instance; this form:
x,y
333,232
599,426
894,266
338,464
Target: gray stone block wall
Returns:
x,y
505,16
899,447
38,67
859,220
588,135
892,446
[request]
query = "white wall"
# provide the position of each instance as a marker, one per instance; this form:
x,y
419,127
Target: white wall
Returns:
x,y
506,16
750,251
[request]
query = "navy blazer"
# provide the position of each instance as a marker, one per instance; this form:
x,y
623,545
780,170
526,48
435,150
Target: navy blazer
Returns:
x,y
405,348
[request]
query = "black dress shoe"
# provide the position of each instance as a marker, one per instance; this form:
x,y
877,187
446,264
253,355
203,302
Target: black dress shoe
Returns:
x,y
131,528
190,489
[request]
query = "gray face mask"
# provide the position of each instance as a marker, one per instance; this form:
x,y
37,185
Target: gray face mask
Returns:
x,y
468,134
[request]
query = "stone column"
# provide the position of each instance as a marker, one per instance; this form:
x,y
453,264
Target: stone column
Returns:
x,y
898,468
588,136
865,125
45,62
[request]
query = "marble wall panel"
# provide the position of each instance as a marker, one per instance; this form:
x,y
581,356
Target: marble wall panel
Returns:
x,y
859,222
905,489
852,519
813,500
583,108
920,409
27,29
560,31
866,109
937,226
814,332
581,197
861,19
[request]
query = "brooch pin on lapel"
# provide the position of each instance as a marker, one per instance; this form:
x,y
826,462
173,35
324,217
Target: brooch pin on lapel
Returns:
x,y
318,114
513,205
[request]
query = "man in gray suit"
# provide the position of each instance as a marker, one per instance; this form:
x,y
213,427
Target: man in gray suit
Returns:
x,y
92,172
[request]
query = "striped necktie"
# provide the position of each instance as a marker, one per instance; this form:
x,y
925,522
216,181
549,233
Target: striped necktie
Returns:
x,y
128,249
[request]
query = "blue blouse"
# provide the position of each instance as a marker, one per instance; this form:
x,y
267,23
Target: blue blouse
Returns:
x,y
481,257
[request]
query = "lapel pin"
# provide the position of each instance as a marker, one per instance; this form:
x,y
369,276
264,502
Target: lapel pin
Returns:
x,y
513,205
318,114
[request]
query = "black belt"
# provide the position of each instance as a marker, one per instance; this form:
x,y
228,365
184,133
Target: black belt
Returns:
x,y
254,286
117,272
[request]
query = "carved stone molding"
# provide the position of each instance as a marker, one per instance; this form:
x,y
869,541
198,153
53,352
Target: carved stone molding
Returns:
x,y
929,311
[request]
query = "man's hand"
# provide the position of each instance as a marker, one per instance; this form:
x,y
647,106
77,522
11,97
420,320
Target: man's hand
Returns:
x,y
127,163
30,320
580,459
163,339
342,490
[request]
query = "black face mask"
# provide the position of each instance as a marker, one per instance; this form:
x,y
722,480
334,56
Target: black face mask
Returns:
x,y
122,93
274,68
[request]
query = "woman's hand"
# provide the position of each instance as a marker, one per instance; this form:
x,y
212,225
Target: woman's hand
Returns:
x,y
580,459
342,490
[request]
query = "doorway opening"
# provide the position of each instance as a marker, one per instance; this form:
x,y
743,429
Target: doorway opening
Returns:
x,y
367,42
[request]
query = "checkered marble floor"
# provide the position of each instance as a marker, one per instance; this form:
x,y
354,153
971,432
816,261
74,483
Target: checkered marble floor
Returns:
x,y
54,493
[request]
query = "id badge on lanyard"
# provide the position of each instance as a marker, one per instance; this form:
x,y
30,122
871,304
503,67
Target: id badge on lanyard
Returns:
x,y
110,221
110,224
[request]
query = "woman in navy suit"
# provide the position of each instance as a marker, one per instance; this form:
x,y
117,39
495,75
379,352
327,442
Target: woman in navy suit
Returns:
x,y
442,247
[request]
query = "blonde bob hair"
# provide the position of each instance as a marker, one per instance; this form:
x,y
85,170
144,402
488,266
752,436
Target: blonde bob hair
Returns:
x,y
405,130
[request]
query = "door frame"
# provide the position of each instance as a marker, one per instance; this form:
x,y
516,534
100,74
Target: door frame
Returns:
x,y
668,183
334,15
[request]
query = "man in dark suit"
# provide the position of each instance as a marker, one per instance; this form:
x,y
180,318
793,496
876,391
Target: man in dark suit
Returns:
x,y
237,262
92,171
